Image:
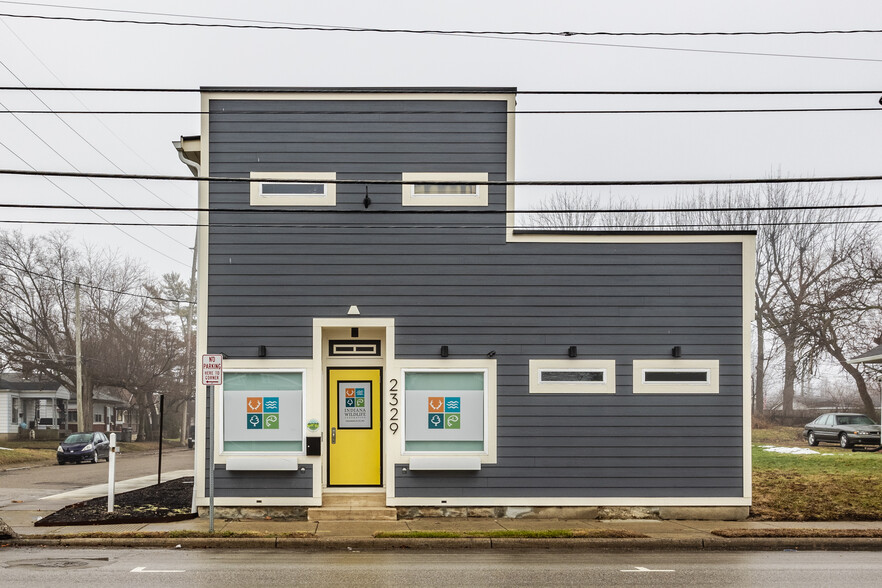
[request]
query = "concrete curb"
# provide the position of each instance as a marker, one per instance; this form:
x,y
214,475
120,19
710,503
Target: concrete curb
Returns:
x,y
372,544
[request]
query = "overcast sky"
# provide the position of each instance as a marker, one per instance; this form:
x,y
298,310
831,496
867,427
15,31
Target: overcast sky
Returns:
x,y
549,147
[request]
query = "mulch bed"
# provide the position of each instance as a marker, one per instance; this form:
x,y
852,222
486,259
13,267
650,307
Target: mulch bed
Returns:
x,y
166,502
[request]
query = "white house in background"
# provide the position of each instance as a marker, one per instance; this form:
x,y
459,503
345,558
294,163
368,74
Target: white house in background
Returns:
x,y
874,355
31,403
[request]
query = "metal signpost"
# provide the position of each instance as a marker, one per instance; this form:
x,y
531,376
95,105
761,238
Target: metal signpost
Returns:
x,y
212,375
161,416
111,474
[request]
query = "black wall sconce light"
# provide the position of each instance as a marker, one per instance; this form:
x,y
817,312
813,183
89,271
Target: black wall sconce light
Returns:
x,y
261,351
444,351
675,351
573,351
367,198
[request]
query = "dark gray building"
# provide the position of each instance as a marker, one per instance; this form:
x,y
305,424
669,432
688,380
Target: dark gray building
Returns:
x,y
387,326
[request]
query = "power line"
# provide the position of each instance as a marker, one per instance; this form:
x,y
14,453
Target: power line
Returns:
x,y
94,148
301,211
122,141
367,182
459,112
263,90
109,290
282,26
72,197
345,229
522,36
56,152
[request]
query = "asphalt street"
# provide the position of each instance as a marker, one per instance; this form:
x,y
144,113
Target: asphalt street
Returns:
x,y
26,484
219,568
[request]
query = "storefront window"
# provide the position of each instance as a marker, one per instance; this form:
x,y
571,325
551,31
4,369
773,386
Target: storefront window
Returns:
x,y
263,411
445,411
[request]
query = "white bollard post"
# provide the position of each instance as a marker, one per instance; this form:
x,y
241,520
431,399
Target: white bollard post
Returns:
x,y
111,473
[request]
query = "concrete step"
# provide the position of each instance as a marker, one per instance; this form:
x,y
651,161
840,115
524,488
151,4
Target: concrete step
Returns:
x,y
356,513
353,499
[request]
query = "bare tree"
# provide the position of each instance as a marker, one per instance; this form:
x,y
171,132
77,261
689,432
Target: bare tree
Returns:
x,y
37,308
127,342
846,307
579,210
815,272
175,300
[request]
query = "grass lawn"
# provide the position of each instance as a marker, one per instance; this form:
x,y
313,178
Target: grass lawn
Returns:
x,y
35,452
833,484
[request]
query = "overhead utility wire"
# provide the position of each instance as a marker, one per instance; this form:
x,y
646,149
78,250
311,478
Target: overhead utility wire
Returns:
x,y
48,277
250,112
524,36
365,182
74,198
91,146
68,162
253,90
271,26
345,229
447,211
122,141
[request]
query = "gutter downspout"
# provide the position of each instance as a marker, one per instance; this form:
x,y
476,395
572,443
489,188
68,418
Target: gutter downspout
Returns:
x,y
196,170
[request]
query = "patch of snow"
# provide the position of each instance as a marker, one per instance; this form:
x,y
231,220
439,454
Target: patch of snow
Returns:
x,y
791,450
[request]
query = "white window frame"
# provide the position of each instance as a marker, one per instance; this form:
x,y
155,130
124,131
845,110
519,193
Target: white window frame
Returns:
x,y
710,366
329,198
409,198
607,366
220,436
488,454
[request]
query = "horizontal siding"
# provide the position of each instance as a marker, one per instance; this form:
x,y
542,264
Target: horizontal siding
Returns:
x,y
241,484
450,278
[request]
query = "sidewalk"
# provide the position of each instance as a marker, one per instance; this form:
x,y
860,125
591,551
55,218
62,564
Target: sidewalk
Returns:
x,y
659,534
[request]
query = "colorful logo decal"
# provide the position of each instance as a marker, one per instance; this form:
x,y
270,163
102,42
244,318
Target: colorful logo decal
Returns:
x,y
270,421
262,412
350,402
312,425
350,393
444,412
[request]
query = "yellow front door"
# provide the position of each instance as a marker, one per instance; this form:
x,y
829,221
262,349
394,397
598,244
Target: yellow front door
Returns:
x,y
354,426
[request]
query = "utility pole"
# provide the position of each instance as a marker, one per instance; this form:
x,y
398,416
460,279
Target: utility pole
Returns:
x,y
81,408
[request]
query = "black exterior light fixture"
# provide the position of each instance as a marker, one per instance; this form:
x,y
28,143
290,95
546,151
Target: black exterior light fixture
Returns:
x,y
445,351
367,198
675,351
573,351
261,351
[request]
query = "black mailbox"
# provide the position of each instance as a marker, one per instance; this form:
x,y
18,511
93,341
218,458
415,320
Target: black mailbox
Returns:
x,y
313,446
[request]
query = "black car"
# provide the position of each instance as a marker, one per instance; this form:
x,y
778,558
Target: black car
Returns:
x,y
845,428
81,447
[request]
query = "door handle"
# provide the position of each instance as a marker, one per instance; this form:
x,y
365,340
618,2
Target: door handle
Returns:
x,y
333,435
